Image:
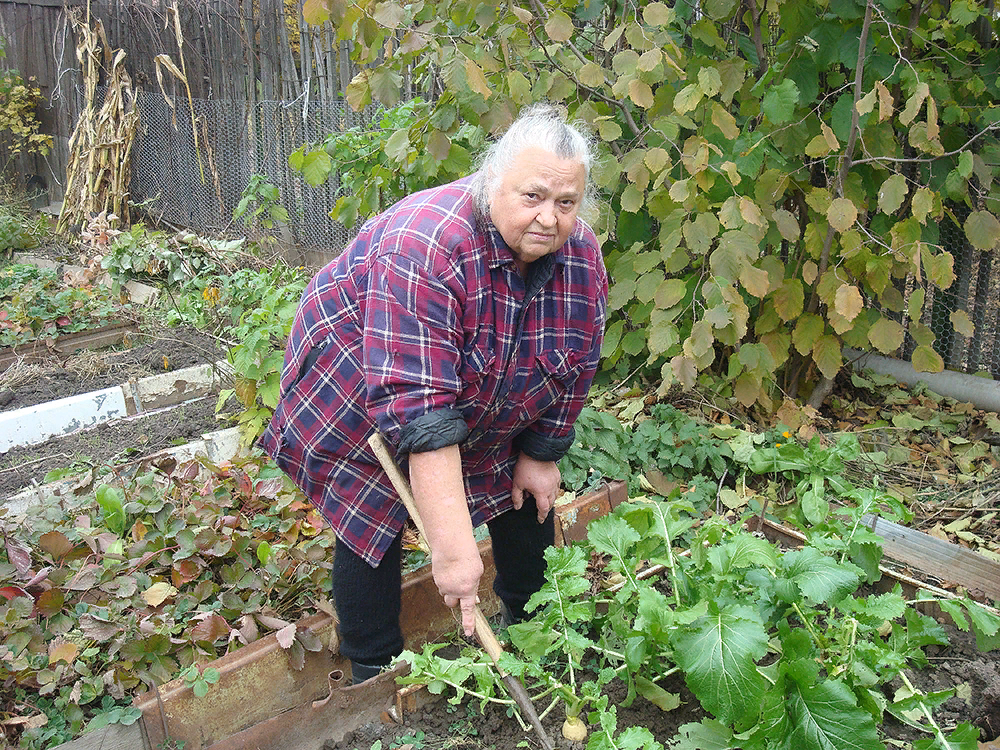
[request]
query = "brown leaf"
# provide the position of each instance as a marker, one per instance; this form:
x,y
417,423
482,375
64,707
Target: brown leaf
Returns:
x,y
55,543
210,629
19,556
286,636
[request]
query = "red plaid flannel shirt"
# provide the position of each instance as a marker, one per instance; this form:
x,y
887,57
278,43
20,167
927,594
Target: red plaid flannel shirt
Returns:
x,y
424,313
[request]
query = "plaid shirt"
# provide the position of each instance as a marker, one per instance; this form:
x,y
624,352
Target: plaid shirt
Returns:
x,y
421,324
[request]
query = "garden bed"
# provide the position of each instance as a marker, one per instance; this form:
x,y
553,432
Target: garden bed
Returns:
x,y
263,701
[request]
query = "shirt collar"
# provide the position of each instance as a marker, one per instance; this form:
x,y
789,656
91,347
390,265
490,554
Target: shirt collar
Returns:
x,y
499,253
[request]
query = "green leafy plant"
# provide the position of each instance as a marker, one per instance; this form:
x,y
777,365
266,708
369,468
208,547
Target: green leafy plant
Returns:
x,y
262,307
376,166
148,255
260,204
775,177
780,647
38,304
814,468
200,680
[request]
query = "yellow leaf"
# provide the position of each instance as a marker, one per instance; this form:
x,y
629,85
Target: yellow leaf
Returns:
x,y
158,593
640,93
559,27
724,121
476,79
842,214
524,16
591,74
963,326
62,650
867,103
755,281
885,105
750,212
684,370
787,225
656,159
746,389
732,172
817,147
886,335
809,272
925,359
913,103
849,302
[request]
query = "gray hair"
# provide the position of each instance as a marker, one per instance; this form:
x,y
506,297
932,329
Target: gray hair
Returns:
x,y
543,126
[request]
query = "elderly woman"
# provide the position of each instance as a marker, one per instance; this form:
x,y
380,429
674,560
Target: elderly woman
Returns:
x,y
465,323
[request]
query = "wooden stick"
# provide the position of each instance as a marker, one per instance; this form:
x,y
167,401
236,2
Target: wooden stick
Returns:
x,y
483,631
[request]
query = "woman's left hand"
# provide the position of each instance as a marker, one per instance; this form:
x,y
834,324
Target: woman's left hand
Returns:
x,y
539,478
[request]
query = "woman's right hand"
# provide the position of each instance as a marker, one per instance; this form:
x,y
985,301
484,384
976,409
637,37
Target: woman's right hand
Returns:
x,y
457,569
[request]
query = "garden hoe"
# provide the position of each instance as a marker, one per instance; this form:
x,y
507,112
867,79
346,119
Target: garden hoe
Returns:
x,y
483,630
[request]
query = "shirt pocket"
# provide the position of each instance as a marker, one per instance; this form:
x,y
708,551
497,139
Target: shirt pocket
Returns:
x,y
474,371
553,376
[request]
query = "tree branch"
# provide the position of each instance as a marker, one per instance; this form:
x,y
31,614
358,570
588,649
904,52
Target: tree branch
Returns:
x,y
956,152
825,385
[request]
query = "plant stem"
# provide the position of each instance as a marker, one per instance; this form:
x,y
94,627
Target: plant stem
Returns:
x,y
938,732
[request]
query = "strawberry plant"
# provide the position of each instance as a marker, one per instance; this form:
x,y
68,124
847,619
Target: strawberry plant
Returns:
x,y
781,647
36,304
144,581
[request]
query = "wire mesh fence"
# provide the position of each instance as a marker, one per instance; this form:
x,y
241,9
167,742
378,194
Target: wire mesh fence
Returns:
x,y
198,185
198,188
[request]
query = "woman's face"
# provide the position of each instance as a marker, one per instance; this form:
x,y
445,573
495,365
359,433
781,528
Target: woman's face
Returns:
x,y
536,203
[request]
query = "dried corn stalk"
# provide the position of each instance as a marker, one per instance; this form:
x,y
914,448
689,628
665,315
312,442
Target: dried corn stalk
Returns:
x,y
100,148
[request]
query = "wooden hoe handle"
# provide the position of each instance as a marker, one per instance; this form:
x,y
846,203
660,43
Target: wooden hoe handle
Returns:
x,y
483,631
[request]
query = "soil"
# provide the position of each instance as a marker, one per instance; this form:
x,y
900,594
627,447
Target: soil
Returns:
x,y
974,675
121,441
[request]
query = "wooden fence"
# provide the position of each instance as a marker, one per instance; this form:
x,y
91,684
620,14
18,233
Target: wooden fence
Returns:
x,y
246,51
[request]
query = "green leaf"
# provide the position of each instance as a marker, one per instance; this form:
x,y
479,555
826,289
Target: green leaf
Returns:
x,y
656,695
826,354
718,653
808,328
632,199
613,537
886,335
778,104
891,194
397,148
925,359
826,715
386,85
983,230
820,577
687,98
315,167
789,299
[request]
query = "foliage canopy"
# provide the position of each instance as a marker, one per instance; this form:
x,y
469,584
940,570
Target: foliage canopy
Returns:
x,y
774,174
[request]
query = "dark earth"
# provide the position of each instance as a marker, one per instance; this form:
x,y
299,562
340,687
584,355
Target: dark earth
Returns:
x,y
117,442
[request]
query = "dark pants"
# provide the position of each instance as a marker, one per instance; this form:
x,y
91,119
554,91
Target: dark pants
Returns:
x,y
368,599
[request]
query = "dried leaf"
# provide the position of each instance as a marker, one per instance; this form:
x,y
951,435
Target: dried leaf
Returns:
x,y
286,636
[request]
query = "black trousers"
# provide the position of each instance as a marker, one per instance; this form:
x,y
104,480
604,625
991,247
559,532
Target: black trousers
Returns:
x,y
368,599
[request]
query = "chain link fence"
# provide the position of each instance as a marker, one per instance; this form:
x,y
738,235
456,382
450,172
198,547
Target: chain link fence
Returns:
x,y
199,187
